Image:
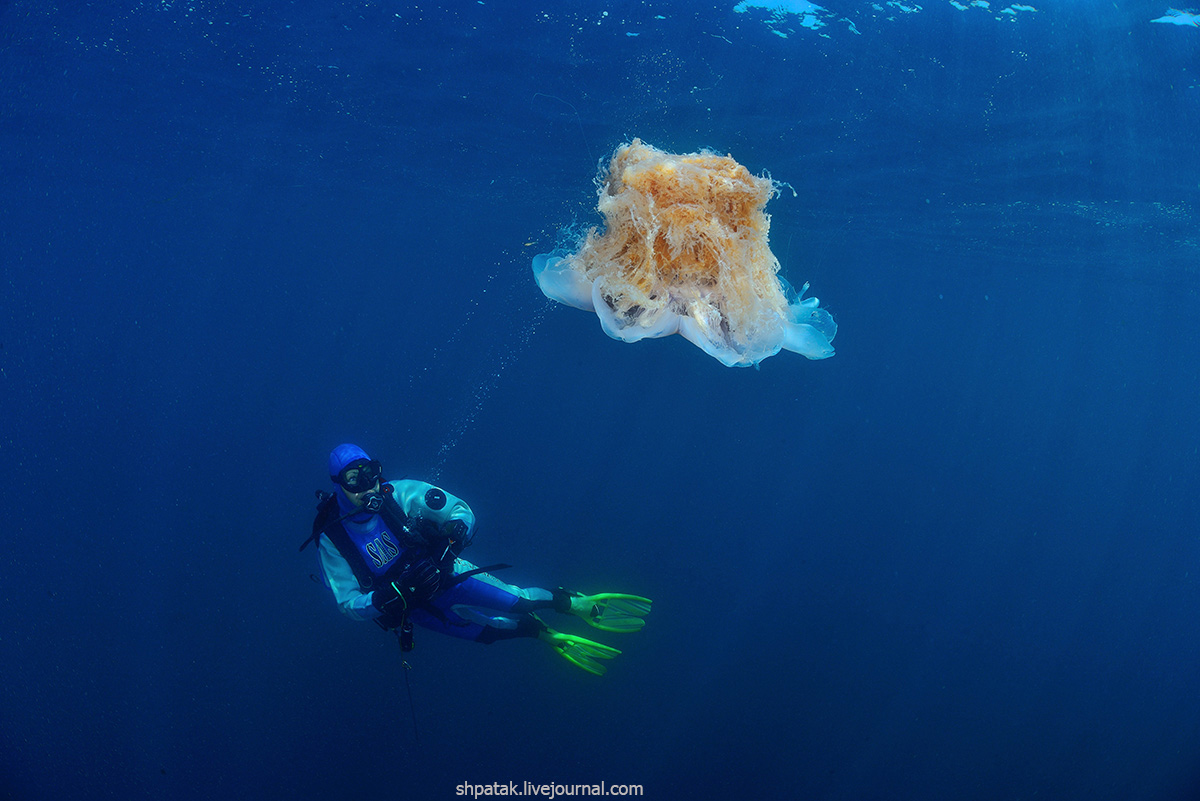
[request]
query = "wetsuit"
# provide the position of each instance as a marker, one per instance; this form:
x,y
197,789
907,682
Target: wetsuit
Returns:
x,y
481,607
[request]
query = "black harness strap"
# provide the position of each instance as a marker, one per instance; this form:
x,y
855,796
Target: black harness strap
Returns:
x,y
459,578
326,509
329,523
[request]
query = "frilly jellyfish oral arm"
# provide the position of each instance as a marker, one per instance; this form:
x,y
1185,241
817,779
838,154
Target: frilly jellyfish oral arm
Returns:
x,y
661,324
809,329
807,341
693,332
559,282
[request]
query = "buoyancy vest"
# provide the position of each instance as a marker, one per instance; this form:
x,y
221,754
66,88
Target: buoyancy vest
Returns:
x,y
383,552
375,554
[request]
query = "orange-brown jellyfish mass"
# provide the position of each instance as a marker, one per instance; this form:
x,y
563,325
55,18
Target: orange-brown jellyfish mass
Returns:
x,y
684,250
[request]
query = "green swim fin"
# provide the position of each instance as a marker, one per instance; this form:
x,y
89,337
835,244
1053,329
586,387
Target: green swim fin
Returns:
x,y
579,651
612,611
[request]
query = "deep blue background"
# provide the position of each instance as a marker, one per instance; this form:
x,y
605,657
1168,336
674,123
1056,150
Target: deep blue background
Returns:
x,y
958,560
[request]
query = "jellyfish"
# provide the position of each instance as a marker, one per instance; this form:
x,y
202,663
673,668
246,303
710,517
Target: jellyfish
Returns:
x,y
684,250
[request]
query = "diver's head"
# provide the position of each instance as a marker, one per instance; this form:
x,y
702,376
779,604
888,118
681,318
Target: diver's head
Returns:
x,y
357,476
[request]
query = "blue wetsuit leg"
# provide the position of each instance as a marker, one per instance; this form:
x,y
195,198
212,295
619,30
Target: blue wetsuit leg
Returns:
x,y
474,593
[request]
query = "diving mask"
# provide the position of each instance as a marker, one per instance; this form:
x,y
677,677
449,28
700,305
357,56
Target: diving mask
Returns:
x,y
360,476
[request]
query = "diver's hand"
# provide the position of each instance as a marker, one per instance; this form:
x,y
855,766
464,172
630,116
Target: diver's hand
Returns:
x,y
421,580
417,584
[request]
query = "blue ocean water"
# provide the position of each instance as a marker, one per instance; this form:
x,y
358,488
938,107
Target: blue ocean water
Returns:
x,y
957,560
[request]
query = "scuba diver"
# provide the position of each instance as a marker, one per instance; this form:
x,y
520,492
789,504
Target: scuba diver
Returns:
x,y
390,552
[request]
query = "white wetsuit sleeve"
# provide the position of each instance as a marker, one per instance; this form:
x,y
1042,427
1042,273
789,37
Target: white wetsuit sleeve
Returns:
x,y
339,578
412,495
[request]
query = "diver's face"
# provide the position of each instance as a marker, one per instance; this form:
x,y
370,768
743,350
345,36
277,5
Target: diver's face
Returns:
x,y
357,498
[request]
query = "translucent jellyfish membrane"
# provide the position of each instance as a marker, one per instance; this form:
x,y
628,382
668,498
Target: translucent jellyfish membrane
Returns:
x,y
684,250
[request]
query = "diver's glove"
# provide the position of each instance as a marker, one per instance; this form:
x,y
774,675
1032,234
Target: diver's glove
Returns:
x,y
579,651
417,584
609,611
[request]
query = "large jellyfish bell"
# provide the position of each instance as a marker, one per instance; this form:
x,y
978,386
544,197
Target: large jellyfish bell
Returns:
x,y
684,250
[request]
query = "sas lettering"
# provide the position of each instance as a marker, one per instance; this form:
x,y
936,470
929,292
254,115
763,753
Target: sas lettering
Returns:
x,y
383,549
